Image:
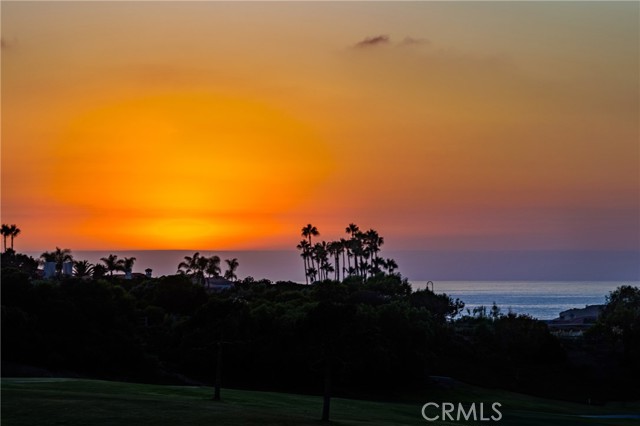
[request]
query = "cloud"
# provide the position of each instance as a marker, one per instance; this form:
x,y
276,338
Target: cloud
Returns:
x,y
410,41
8,44
383,39
373,41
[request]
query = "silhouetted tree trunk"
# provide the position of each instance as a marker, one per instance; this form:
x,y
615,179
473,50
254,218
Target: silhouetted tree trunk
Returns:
x,y
218,381
306,270
326,402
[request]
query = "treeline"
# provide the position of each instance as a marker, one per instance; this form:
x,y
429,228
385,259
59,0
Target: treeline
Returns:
x,y
373,337
197,266
359,330
356,256
202,267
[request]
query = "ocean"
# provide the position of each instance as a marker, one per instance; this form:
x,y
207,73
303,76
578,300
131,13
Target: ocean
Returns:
x,y
540,298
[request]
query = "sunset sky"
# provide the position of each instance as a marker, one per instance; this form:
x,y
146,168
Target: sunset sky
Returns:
x,y
219,125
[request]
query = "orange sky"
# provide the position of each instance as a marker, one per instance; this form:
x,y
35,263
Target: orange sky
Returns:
x,y
219,125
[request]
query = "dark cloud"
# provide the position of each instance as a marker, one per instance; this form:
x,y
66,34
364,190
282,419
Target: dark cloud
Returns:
x,y
410,41
373,41
7,44
385,39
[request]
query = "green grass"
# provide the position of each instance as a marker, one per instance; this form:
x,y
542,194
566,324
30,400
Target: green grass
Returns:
x,y
74,402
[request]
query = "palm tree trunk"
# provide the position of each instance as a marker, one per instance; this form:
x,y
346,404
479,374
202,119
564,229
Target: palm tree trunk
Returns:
x,y
349,262
306,270
355,263
343,263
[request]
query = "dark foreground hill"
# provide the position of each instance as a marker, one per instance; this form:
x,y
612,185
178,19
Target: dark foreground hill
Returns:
x,y
76,402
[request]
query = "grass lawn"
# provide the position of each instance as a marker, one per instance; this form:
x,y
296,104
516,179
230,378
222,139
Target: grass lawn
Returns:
x,y
74,402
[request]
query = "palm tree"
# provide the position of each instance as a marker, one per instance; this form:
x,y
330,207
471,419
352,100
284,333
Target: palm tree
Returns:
x,y
304,247
14,231
357,251
352,229
327,268
59,256
201,267
5,233
194,265
112,263
347,248
189,264
377,265
230,273
312,273
335,248
391,265
374,241
307,232
127,265
343,250
98,271
82,268
364,268
213,266
321,255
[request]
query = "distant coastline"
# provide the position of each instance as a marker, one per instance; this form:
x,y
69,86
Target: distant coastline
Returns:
x,y
543,300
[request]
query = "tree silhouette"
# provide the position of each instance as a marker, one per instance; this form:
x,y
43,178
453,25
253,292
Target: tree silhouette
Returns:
x,y
194,266
352,229
232,265
326,322
127,264
391,265
358,251
304,247
5,233
112,263
352,245
343,250
323,258
83,269
308,232
59,256
312,273
213,266
201,268
14,231
619,322
188,264
99,271
335,248
373,241
321,255
197,266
